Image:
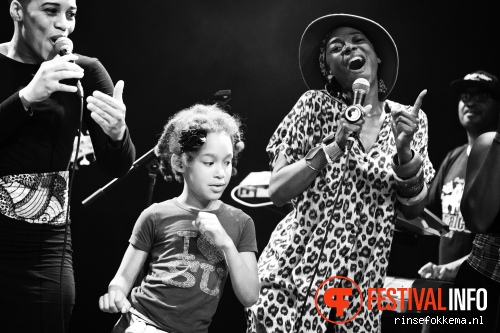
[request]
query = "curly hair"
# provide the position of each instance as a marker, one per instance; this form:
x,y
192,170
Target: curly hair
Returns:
x,y
208,119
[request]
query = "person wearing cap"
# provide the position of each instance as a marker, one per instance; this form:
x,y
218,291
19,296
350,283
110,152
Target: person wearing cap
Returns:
x,y
345,197
478,113
40,115
480,207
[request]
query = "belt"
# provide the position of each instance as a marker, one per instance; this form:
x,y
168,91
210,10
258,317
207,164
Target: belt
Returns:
x,y
35,198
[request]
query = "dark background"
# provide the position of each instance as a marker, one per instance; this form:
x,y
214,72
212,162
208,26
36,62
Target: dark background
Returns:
x,y
172,54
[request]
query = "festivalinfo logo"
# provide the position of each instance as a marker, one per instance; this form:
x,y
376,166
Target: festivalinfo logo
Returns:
x,y
347,299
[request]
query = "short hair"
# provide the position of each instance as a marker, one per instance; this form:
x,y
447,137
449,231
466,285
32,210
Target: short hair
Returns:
x,y
209,118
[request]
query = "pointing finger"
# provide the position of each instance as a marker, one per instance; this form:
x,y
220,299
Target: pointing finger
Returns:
x,y
118,91
418,103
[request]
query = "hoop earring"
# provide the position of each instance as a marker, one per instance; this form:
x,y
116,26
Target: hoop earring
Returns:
x,y
332,87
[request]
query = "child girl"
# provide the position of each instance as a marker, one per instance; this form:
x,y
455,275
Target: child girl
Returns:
x,y
194,240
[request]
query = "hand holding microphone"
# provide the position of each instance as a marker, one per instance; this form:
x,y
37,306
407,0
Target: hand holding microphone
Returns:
x,y
354,113
352,120
64,46
47,79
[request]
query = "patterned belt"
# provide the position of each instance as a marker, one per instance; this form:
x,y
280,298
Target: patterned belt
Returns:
x,y
35,198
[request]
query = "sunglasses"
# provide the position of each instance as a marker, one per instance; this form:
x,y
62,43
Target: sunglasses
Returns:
x,y
477,97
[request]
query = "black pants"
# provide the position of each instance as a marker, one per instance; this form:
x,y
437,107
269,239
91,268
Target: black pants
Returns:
x,y
30,266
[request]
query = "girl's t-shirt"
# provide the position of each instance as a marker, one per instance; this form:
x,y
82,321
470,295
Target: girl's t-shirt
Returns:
x,y
187,272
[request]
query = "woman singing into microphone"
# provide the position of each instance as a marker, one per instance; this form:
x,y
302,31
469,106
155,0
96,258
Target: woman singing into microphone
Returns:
x,y
345,200
39,118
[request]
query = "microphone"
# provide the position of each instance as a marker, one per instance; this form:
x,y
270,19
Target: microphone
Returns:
x,y
64,46
354,112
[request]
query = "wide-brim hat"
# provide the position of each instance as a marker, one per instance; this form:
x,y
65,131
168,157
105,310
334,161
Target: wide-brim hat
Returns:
x,y
316,32
481,80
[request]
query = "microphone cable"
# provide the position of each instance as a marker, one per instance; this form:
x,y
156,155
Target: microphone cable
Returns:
x,y
360,87
63,46
316,267
70,188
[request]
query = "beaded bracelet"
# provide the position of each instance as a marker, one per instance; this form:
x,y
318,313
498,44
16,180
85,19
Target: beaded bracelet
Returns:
x,y
410,192
409,182
410,187
414,200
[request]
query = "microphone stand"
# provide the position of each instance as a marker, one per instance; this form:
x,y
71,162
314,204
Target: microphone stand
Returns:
x,y
149,161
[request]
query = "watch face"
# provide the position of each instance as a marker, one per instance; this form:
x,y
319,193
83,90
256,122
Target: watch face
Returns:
x,y
353,113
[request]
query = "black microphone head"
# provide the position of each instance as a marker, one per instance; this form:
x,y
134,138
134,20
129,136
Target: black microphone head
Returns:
x,y
63,45
361,85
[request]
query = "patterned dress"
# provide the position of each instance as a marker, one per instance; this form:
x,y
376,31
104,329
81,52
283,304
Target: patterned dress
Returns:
x,y
359,223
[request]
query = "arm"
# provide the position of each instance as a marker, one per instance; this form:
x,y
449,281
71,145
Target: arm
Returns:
x,y
404,126
287,148
408,165
289,180
242,265
105,120
482,177
12,115
446,272
115,300
244,278
412,211
16,105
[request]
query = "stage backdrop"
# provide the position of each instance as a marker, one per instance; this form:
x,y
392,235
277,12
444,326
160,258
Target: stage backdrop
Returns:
x,y
172,54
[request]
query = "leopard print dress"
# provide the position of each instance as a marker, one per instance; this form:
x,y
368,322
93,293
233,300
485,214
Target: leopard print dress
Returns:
x,y
360,224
